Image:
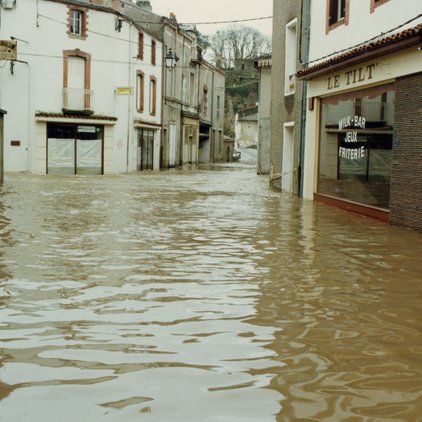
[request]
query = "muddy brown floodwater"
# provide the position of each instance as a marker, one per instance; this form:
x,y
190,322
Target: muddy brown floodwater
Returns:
x,y
201,296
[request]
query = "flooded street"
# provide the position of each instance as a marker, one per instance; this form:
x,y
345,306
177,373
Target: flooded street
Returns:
x,y
201,296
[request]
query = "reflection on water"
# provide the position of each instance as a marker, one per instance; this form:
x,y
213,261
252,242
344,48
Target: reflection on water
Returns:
x,y
202,296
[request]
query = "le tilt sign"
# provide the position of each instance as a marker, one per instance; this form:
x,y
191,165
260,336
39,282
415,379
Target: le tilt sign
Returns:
x,y
352,77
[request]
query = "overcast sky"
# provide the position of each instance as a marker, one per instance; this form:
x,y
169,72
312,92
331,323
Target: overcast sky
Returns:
x,y
190,11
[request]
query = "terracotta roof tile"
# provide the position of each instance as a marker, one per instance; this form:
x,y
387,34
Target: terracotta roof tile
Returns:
x,y
74,116
362,49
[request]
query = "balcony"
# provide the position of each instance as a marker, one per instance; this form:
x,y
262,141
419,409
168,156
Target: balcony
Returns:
x,y
77,100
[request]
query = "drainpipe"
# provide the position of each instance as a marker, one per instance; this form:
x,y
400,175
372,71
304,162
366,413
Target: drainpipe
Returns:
x,y
129,99
181,102
304,58
212,118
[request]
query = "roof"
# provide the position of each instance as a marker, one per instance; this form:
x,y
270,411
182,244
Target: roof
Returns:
x,y
44,114
265,61
365,52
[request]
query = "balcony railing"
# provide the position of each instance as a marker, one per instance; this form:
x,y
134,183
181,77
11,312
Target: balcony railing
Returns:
x,y
77,99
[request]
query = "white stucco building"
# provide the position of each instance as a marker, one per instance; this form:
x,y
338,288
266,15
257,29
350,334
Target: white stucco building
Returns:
x,y
84,95
363,130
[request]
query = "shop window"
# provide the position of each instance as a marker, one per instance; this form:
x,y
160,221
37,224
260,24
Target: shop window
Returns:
x,y
75,149
337,13
140,91
77,22
291,58
356,139
140,46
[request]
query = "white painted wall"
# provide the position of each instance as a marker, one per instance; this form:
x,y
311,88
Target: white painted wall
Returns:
x,y
362,26
38,84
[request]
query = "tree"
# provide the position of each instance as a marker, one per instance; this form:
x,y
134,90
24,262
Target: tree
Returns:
x,y
237,42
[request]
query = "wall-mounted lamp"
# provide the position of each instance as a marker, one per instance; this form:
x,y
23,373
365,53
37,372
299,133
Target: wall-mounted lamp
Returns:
x,y
118,24
170,59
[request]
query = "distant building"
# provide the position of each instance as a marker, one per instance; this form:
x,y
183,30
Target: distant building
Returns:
x,y
193,93
264,65
246,127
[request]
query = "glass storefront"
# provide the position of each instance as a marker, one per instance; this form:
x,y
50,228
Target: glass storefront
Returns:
x,y
356,142
74,149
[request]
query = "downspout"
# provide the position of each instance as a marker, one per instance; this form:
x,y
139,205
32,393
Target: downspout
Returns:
x,y
163,93
212,117
129,99
181,102
304,58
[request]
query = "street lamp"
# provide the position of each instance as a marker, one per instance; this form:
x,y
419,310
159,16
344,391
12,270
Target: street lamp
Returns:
x,y
169,60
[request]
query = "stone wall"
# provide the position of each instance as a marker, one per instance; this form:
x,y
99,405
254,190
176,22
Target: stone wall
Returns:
x,y
406,179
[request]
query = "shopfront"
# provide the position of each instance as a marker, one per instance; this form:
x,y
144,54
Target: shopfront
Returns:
x,y
355,148
75,149
363,131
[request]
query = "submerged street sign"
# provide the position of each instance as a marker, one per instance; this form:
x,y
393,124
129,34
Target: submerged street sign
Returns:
x,y
8,50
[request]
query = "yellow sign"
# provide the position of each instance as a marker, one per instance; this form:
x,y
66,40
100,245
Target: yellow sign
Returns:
x,y
124,90
8,50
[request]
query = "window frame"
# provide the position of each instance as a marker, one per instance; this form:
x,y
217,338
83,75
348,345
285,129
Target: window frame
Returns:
x,y
140,54
82,22
341,20
152,95
140,91
377,3
153,52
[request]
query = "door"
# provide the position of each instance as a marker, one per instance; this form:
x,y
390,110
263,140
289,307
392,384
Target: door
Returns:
x,y
146,149
172,145
287,168
76,83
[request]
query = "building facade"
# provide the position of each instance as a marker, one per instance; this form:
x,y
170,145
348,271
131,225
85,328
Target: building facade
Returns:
x,y
363,126
194,91
286,129
86,100
264,65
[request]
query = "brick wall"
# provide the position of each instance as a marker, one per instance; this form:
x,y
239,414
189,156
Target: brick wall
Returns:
x,y
406,179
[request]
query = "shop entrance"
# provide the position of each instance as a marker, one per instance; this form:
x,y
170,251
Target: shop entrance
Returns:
x,y
74,149
145,149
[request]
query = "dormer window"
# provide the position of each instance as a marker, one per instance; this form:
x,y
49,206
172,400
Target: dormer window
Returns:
x,y
77,22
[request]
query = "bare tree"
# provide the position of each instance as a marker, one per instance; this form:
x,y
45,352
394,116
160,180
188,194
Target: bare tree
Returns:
x,y
238,42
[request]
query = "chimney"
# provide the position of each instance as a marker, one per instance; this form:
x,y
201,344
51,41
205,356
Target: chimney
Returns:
x,y
145,5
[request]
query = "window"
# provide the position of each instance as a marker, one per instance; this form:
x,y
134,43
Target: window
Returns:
x,y
192,88
76,80
140,91
77,19
153,52
218,106
356,141
140,46
337,13
291,58
153,96
376,3
205,100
